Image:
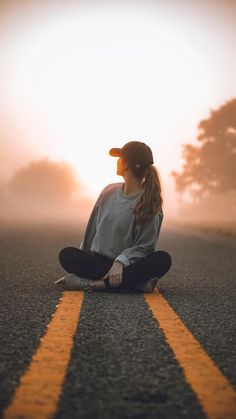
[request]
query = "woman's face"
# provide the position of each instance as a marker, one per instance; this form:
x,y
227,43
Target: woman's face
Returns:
x,y
121,166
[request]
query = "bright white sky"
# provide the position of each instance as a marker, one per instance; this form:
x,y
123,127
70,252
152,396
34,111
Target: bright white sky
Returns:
x,y
77,80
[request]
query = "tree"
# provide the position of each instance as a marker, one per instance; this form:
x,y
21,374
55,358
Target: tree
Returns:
x,y
43,182
211,167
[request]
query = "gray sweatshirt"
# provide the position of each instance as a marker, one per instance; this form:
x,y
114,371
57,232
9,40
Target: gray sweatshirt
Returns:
x,y
112,230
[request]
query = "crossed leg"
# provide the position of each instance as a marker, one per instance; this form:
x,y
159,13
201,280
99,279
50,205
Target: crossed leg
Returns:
x,y
94,267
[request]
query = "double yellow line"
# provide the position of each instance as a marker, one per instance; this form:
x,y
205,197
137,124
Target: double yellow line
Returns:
x,y
39,391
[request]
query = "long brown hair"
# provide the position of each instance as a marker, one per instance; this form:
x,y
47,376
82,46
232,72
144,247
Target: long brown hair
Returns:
x,y
150,200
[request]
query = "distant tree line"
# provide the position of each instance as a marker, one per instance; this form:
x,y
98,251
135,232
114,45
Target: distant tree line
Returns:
x,y
44,181
44,190
210,168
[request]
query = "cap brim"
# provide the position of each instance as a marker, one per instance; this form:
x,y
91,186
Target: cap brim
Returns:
x,y
115,152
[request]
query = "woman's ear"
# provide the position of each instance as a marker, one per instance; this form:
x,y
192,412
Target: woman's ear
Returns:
x,y
126,166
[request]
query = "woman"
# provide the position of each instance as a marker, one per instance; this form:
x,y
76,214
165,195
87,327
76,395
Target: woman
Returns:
x,y
118,248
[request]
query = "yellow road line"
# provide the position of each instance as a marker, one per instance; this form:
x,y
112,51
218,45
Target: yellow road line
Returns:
x,y
214,392
38,393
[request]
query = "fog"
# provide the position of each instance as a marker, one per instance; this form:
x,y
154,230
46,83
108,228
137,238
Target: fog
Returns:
x,y
77,80
45,191
217,211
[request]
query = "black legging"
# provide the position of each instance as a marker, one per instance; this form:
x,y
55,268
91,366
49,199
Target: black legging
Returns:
x,y
95,266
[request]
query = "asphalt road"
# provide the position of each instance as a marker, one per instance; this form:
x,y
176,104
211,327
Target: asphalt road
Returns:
x,y
121,365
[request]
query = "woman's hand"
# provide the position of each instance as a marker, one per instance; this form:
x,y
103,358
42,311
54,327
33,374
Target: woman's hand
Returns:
x,y
115,274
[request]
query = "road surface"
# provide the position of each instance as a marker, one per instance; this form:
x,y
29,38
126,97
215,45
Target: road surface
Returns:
x,y
103,355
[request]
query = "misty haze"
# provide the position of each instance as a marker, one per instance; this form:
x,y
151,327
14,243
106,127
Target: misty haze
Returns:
x,y
49,191
112,308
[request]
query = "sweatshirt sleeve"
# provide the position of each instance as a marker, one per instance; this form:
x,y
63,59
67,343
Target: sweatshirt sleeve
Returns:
x,y
90,230
91,227
145,240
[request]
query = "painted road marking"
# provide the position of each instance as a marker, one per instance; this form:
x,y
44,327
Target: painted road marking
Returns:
x,y
214,392
39,390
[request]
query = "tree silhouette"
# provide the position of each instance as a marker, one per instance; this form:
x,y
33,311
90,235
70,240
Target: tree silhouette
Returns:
x,y
45,182
211,167
45,190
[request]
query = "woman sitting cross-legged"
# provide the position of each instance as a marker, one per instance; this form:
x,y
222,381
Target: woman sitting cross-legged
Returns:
x,y
118,251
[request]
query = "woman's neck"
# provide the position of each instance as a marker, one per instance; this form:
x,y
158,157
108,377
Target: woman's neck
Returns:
x,y
132,185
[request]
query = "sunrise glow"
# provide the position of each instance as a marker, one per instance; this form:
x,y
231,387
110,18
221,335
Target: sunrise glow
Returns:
x,y
81,80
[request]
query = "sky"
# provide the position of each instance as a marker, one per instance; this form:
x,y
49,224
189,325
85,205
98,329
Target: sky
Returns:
x,y
80,77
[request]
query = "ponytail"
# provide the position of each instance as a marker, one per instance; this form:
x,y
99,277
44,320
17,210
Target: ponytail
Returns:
x,y
150,200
